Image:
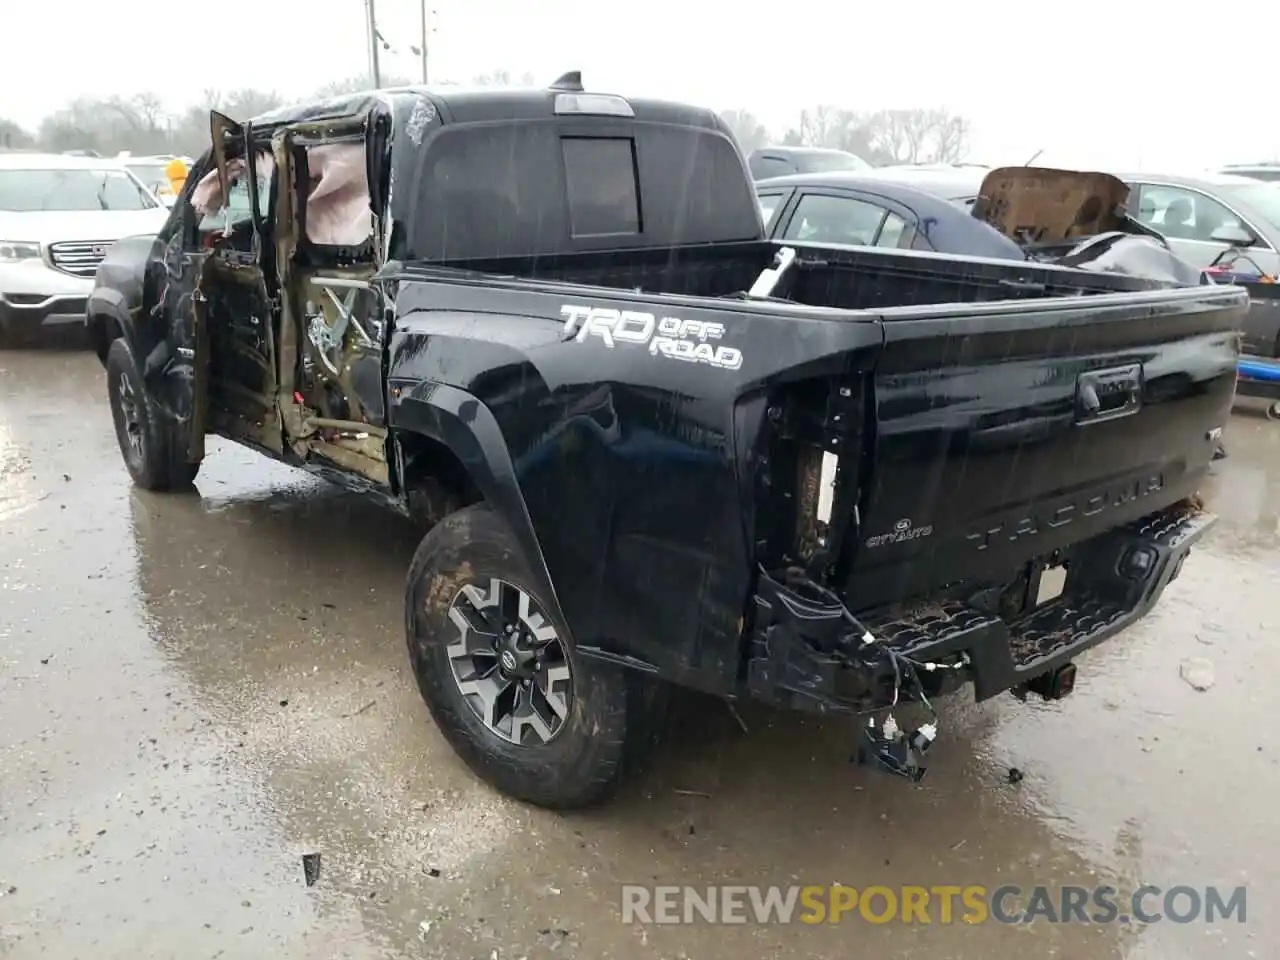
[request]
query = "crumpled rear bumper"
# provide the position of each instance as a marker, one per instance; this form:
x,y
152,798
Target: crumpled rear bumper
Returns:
x,y
805,656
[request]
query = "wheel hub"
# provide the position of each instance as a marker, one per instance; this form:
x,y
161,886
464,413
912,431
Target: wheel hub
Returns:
x,y
509,662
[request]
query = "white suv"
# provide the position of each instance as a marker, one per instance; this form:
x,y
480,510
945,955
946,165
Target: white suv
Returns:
x,y
58,216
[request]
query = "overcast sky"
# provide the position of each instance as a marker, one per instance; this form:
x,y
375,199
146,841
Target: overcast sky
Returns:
x,y
1119,84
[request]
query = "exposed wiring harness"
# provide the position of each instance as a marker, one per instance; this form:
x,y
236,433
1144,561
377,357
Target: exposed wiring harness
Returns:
x,y
893,749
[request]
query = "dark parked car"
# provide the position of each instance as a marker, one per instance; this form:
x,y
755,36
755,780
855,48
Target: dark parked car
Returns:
x,y
650,445
1268,172
957,182
1025,213
853,208
781,161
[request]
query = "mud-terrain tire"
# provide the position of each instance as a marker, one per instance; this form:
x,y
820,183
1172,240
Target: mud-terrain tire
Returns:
x,y
611,717
151,447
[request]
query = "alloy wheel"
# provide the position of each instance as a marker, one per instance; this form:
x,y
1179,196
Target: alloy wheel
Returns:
x,y
509,662
129,414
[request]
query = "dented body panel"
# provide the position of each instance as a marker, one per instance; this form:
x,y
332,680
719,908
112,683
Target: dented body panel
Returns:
x,y
627,461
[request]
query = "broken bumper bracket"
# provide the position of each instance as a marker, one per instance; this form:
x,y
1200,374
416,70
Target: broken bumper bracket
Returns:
x,y
797,657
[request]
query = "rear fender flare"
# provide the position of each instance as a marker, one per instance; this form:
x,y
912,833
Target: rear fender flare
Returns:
x,y
466,426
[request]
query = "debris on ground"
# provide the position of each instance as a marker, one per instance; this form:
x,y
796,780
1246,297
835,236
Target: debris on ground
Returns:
x,y
1197,672
737,716
1015,775
311,868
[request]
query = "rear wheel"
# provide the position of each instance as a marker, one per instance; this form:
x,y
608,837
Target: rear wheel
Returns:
x,y
502,679
1273,411
152,448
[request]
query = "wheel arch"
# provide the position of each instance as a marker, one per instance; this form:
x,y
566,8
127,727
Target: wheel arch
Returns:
x,y
440,421
107,320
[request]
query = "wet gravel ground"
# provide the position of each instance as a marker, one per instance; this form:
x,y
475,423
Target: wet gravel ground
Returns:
x,y
196,690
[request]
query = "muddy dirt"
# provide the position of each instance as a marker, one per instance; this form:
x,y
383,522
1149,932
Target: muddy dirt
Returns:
x,y
198,690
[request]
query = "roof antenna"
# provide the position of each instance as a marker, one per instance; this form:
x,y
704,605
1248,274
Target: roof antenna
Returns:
x,y
1034,157
569,81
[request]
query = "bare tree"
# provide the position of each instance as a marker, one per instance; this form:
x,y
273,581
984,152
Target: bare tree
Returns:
x,y
13,136
918,136
141,124
885,136
246,103
834,128
750,133
358,83
149,110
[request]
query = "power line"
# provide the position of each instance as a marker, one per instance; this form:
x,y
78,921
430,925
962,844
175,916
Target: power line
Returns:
x,y
376,39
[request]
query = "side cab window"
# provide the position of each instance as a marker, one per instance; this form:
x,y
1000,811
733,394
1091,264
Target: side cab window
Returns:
x,y
213,216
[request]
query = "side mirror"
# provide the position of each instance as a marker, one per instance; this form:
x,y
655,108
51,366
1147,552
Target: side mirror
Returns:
x,y
1233,236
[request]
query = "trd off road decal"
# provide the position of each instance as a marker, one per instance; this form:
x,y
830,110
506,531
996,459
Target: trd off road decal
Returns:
x,y
666,336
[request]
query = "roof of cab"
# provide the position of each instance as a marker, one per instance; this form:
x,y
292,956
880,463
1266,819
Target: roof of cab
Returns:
x,y
458,104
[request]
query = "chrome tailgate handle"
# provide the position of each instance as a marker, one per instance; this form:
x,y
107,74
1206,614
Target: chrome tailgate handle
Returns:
x,y
1109,394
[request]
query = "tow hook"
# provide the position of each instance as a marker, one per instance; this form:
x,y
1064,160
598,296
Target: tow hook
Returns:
x,y
1053,685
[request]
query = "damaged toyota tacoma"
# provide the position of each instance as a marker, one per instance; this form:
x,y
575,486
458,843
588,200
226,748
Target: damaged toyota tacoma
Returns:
x,y
649,447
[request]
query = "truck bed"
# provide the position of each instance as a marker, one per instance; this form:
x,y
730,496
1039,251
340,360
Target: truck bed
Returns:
x,y
849,278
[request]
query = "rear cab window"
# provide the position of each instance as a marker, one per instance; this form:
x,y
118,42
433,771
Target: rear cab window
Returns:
x,y
600,186
486,191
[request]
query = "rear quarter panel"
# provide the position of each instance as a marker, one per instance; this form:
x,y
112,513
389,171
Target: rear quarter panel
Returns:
x,y
625,459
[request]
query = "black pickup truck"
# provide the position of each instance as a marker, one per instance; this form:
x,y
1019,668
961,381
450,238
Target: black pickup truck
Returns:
x,y
651,447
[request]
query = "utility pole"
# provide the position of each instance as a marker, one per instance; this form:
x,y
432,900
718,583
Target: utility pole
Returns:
x,y
372,27
423,48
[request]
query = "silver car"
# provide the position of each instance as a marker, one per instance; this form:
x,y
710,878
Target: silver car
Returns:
x,y
1204,215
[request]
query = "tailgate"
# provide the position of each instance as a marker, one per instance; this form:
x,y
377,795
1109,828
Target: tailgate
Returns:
x,y
1005,431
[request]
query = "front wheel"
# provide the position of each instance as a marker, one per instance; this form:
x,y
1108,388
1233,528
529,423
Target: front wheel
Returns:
x,y
152,448
502,680
1273,411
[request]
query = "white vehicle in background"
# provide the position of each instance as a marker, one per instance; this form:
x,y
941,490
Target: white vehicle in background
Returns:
x,y
58,216
152,172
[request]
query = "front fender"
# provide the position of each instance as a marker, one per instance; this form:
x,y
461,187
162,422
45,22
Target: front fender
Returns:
x,y
466,426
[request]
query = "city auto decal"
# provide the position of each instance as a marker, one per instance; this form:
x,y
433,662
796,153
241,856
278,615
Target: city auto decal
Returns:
x,y
672,337
902,532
